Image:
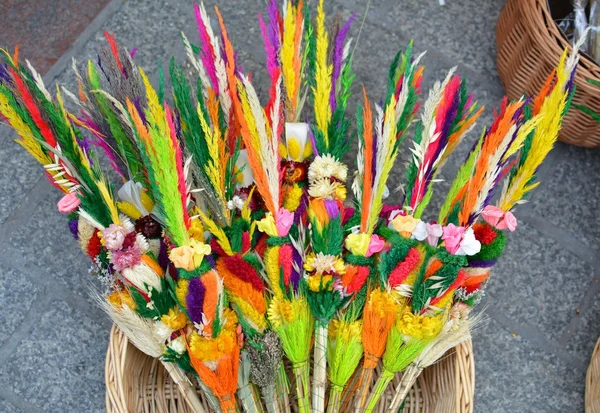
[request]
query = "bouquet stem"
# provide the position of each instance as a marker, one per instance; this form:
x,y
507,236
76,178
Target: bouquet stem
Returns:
x,y
320,367
283,389
246,396
382,383
185,387
364,383
228,403
302,373
335,399
268,396
408,379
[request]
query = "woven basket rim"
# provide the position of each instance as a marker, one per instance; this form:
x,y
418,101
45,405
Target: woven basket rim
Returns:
x,y
159,395
558,42
529,46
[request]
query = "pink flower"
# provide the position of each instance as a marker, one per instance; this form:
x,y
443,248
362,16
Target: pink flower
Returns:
x,y
434,232
499,219
283,221
508,222
452,235
492,215
375,245
114,236
68,203
126,258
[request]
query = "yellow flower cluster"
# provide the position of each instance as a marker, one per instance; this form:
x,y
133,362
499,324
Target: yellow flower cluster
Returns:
x,y
120,298
316,282
346,331
196,230
282,310
175,319
419,327
293,197
382,302
213,349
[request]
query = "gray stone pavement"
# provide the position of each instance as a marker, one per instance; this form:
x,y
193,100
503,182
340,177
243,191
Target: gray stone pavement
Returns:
x,y
542,302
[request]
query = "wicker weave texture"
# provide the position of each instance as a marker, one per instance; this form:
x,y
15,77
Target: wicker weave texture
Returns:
x,y
529,46
592,383
138,383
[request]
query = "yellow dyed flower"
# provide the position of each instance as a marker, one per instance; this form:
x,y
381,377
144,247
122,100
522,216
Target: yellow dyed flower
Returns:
x,y
147,201
346,331
175,319
341,193
267,225
419,327
208,349
404,224
120,298
280,311
358,244
196,230
230,319
382,302
293,197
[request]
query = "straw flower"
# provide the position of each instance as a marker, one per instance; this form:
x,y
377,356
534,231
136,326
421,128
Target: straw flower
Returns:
x,y
280,312
322,264
175,319
114,236
327,189
178,345
419,327
120,298
325,167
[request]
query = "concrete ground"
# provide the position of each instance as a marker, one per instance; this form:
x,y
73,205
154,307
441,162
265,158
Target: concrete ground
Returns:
x,y
542,302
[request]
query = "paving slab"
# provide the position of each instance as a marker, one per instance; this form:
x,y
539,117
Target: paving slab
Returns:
x,y
17,293
44,29
512,375
59,367
569,196
537,282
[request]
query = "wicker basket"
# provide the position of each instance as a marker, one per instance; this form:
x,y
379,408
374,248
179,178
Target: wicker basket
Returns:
x,y
529,47
138,383
592,382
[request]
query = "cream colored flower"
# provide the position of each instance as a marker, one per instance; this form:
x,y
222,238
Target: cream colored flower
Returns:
x,y
162,332
178,345
324,189
327,166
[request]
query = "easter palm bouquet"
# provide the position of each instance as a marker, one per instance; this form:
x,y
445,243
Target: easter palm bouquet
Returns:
x,y
226,242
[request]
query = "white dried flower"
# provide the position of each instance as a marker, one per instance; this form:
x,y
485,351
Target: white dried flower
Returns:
x,y
327,166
